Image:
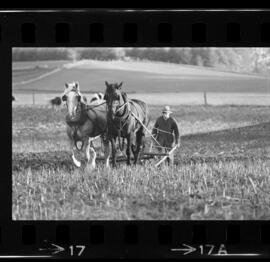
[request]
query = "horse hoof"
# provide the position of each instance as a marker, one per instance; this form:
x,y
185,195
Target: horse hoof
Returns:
x,y
76,162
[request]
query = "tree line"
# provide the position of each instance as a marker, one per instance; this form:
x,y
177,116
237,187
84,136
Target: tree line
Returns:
x,y
252,60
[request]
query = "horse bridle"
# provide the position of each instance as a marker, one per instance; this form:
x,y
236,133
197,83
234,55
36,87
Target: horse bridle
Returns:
x,y
119,107
124,117
72,90
87,107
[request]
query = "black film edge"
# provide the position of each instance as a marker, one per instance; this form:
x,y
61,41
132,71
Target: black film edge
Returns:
x,y
123,239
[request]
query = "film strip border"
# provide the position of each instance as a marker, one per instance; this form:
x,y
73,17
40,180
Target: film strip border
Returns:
x,y
136,239
139,28
140,239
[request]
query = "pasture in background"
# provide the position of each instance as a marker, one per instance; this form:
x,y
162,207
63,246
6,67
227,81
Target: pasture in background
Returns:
x,y
154,82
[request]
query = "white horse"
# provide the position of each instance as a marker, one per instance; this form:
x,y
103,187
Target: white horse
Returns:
x,y
71,92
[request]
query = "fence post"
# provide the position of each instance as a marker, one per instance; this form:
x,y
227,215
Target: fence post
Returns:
x,y
268,84
205,98
33,96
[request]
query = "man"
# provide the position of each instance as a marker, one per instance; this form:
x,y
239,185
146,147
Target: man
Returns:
x,y
166,132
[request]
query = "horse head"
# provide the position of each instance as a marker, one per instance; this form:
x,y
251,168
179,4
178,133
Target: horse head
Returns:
x,y
72,97
113,97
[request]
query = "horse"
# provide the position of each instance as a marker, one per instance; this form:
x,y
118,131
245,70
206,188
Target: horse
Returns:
x,y
97,97
127,119
57,101
85,122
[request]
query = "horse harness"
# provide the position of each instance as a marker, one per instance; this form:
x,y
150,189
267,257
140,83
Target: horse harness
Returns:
x,y
122,120
76,124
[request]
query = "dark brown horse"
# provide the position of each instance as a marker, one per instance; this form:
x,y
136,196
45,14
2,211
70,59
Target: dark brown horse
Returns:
x,y
125,117
84,122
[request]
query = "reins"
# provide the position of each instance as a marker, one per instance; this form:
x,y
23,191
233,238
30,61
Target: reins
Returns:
x,y
120,119
129,112
88,107
137,118
163,131
119,108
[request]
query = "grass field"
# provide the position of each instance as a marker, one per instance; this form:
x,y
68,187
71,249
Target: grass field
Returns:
x,y
139,77
31,70
222,170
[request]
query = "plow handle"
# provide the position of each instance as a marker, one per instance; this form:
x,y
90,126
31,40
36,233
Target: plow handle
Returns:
x,y
162,160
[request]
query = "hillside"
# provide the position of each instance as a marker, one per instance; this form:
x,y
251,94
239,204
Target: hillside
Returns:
x,y
138,77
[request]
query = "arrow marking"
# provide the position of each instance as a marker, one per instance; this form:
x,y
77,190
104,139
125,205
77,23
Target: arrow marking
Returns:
x,y
56,250
188,250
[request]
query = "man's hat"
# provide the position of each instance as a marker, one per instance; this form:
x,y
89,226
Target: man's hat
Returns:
x,y
166,109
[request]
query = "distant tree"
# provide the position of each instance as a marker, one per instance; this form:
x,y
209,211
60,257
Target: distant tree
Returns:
x,y
211,58
73,54
185,56
172,56
233,59
120,53
261,58
35,54
245,59
137,53
97,53
198,60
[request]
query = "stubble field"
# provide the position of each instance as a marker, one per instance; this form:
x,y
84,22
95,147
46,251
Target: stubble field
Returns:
x,y
221,170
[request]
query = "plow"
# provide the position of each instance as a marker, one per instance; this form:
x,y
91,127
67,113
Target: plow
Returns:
x,y
155,155
150,154
163,156
160,157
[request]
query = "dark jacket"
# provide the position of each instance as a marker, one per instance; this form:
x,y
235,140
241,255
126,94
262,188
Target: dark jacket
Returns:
x,y
166,131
